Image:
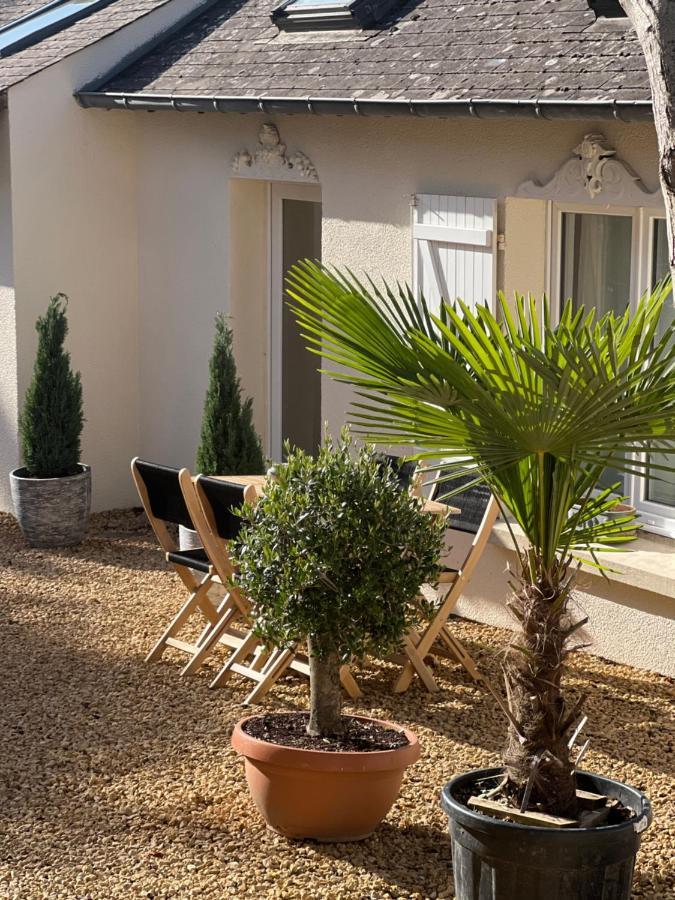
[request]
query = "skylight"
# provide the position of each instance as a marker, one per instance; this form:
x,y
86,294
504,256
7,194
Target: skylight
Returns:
x,y
42,22
323,15
607,9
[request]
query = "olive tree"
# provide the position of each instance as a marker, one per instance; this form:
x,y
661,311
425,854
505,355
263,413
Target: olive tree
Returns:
x,y
335,552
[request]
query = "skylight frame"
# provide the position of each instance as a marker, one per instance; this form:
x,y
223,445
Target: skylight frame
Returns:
x,y
296,15
47,29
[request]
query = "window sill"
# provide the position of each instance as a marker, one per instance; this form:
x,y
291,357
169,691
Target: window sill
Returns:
x,y
648,565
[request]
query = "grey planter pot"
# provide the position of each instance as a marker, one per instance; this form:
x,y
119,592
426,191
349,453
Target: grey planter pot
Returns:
x,y
52,512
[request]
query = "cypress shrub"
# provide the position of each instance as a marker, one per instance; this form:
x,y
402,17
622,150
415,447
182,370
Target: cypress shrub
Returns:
x,y
229,443
52,418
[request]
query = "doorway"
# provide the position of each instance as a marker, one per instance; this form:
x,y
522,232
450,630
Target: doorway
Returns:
x,y
295,382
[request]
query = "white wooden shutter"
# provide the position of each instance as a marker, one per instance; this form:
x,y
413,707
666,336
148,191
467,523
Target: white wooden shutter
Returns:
x,y
455,244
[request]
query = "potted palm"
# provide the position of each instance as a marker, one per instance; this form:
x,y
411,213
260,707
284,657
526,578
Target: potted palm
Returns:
x,y
333,554
52,490
539,410
229,443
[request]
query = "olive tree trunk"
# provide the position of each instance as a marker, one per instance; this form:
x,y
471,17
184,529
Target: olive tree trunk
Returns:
x,y
654,24
325,710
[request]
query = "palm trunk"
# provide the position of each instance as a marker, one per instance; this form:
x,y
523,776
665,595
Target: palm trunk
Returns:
x,y
537,758
325,716
654,23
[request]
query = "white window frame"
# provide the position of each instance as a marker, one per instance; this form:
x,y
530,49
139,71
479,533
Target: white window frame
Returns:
x,y
655,517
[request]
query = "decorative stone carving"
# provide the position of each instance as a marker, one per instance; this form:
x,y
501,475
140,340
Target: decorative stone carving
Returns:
x,y
270,161
594,151
593,174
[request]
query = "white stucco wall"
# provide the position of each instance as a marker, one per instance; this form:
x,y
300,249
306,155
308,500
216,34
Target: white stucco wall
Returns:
x,y
368,169
75,229
9,398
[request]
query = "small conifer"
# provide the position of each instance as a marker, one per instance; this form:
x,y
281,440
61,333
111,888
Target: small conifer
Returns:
x,y
229,443
52,418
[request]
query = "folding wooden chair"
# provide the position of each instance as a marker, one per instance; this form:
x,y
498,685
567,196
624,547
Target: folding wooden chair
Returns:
x,y
251,658
479,511
403,469
160,493
212,505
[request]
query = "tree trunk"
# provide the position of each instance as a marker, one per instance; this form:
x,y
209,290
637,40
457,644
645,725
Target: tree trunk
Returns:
x,y
654,24
325,717
537,758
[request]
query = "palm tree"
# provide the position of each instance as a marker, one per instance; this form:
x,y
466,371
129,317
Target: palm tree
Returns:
x,y
537,411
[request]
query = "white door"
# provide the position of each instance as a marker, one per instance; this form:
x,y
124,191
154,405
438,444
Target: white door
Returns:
x,y
295,383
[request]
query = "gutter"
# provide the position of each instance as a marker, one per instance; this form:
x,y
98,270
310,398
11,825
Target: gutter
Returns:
x,y
622,110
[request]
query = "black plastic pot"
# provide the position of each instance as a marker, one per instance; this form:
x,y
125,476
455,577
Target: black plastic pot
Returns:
x,y
498,860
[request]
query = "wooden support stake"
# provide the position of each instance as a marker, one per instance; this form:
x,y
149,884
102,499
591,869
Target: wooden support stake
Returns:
x,y
543,820
587,800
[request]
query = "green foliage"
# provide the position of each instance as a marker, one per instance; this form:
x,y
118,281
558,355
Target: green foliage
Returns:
x,y
335,550
229,443
52,417
540,410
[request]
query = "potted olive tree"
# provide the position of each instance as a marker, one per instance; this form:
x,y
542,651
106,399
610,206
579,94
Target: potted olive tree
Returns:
x,y
52,489
540,410
229,443
333,554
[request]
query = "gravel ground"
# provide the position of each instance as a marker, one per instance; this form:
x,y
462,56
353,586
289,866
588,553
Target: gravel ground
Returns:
x,y
117,779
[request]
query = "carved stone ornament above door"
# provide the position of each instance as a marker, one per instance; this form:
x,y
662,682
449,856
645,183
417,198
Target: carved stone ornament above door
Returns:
x,y
270,161
593,174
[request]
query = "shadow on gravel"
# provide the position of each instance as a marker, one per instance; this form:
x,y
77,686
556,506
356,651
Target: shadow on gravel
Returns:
x,y
413,860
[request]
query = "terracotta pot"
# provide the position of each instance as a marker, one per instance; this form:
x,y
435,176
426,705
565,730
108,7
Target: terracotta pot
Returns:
x,y
319,794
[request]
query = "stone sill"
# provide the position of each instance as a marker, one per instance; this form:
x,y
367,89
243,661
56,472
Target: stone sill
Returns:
x,y
648,565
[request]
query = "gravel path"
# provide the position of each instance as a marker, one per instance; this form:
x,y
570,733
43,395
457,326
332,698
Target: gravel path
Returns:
x,y
117,779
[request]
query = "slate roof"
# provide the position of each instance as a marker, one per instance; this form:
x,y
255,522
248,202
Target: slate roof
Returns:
x,y
435,49
10,10
69,40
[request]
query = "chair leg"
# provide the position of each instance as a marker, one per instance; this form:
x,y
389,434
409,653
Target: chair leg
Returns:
x,y
197,600
237,656
415,664
277,664
349,683
227,612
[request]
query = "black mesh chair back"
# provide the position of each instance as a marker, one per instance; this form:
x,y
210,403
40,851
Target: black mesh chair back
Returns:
x,y
404,470
164,493
472,502
224,497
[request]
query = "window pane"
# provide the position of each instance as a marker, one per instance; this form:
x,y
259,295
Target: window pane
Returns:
x,y
595,271
662,490
596,257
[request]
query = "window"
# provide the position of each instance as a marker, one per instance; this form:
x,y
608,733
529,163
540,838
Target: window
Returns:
x,y
606,259
661,489
596,250
323,15
42,22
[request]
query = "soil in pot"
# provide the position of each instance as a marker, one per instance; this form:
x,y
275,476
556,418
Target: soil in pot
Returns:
x,y
496,859
329,790
360,735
